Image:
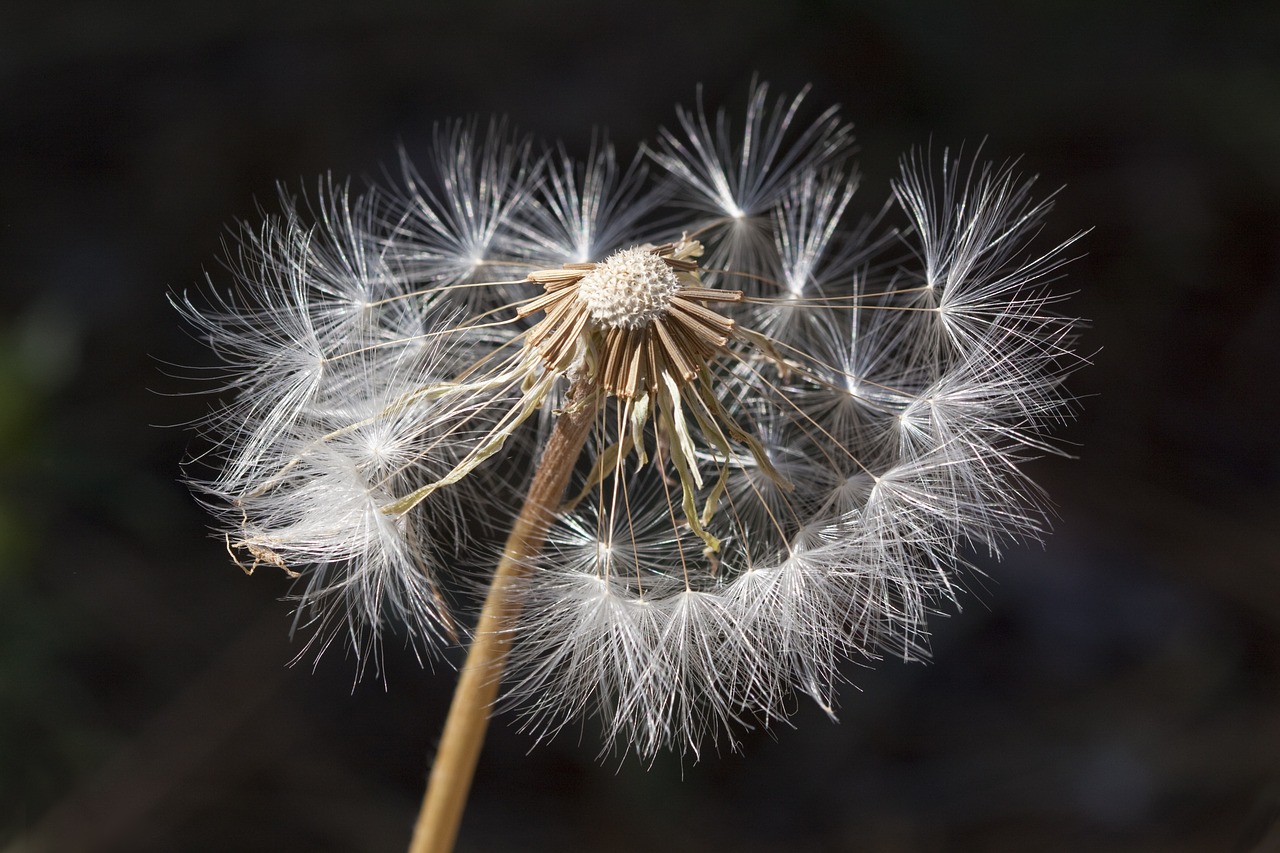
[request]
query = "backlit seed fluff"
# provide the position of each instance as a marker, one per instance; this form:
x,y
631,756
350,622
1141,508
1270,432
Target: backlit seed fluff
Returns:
x,y
804,420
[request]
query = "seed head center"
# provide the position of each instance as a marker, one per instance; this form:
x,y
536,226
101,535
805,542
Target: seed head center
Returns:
x,y
631,288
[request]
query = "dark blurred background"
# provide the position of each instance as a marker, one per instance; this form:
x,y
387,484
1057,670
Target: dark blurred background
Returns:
x,y
1117,689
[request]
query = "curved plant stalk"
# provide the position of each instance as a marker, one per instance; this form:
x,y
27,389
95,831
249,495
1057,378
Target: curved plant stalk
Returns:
x,y
464,729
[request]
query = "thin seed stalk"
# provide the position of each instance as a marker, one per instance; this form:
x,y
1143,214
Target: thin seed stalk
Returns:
x,y
464,728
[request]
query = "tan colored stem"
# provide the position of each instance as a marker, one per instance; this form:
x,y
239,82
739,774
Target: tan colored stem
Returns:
x,y
464,729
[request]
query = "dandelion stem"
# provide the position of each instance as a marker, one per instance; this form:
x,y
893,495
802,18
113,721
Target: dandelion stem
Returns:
x,y
464,729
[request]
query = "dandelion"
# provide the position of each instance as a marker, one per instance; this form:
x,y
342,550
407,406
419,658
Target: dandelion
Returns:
x,y
731,437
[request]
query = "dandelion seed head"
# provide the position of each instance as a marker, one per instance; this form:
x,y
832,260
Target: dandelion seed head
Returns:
x,y
802,420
